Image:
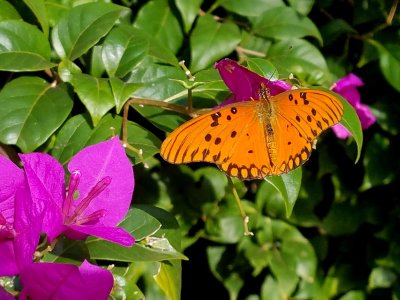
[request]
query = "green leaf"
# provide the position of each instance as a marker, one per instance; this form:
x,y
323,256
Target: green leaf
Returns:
x,y
211,91
67,251
289,186
381,278
95,94
218,262
380,168
284,23
163,245
250,8
189,11
311,193
125,286
57,10
350,215
213,182
142,139
8,12
78,133
100,249
20,53
387,114
263,67
127,47
270,200
166,78
30,111
157,19
67,69
352,123
369,54
122,91
256,44
170,227
169,278
301,58
271,290
389,62
211,41
83,27
226,226
140,224
334,29
302,6
353,295
295,256
39,10
280,266
96,63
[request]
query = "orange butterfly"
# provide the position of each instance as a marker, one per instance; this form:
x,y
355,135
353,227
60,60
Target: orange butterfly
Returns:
x,y
257,138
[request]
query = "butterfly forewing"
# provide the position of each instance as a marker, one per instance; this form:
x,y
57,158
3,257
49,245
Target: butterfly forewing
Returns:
x,y
211,137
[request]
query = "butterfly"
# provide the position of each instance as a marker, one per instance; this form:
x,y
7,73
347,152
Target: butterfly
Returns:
x,y
256,138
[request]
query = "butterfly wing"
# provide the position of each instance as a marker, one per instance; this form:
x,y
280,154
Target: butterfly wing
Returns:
x,y
217,136
301,116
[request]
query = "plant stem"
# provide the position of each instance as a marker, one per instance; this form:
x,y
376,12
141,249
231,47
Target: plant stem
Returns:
x,y
242,212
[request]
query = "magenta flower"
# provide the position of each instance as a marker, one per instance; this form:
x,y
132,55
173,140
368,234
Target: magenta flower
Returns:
x,y
98,197
347,88
65,281
244,83
20,220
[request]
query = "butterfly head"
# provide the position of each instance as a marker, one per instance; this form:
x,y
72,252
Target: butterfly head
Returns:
x,y
263,92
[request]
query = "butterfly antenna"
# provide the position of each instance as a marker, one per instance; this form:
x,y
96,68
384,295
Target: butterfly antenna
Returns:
x,y
245,217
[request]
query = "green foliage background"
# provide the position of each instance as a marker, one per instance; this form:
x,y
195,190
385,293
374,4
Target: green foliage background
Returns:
x,y
69,66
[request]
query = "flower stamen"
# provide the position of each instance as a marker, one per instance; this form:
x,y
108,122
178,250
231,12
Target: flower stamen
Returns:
x,y
84,203
92,217
72,187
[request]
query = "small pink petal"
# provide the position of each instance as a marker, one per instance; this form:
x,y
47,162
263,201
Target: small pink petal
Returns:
x,y
99,281
244,83
112,234
351,80
347,88
365,115
351,94
340,131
